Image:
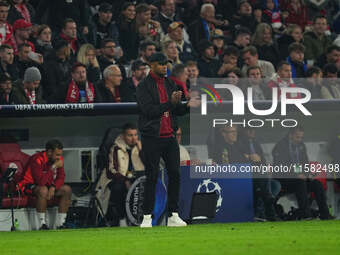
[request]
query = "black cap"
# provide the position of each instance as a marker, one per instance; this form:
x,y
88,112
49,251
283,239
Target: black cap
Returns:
x,y
4,77
158,57
137,64
60,44
203,45
105,7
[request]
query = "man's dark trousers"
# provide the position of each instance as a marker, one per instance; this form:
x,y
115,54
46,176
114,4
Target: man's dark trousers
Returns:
x,y
154,148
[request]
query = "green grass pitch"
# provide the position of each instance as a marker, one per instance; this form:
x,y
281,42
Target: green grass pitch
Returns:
x,y
304,237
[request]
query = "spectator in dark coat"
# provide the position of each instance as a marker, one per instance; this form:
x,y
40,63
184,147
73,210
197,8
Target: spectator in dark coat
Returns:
x,y
25,59
244,17
87,56
317,41
207,65
102,26
109,55
7,62
293,34
128,39
43,44
180,77
107,91
21,9
291,150
296,60
69,34
57,71
331,56
201,28
128,88
265,44
167,14
54,13
28,91
313,81
7,96
185,49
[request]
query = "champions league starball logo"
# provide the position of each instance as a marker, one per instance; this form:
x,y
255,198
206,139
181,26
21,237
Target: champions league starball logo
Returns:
x,y
209,186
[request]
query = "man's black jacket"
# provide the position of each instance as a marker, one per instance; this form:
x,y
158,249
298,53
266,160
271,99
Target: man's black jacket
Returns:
x,y
151,110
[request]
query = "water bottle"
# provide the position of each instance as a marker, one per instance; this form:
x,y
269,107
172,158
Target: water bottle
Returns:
x,y
16,224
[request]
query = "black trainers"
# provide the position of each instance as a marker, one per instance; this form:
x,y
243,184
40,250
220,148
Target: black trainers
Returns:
x,y
44,227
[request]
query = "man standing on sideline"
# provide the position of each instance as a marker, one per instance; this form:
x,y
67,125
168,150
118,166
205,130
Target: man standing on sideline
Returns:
x,y
45,178
160,102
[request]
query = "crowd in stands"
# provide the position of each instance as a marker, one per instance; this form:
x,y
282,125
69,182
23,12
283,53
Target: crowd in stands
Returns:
x,y
97,51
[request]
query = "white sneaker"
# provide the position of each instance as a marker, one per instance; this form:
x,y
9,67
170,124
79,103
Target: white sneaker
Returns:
x,y
147,221
123,222
176,221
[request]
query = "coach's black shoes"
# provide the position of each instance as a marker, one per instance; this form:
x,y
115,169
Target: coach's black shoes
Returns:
x,y
44,227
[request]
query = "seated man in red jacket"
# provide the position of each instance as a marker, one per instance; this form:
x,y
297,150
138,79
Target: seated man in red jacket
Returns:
x,y
45,176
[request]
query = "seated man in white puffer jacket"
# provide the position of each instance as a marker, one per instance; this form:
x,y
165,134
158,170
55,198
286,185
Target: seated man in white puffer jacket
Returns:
x,y
115,180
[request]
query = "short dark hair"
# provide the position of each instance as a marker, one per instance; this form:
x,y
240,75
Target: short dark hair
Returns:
x,y
178,70
251,49
281,64
331,48
319,17
126,5
144,44
312,70
5,46
142,8
67,20
253,68
236,71
106,41
128,126
54,144
4,3
76,65
231,50
23,45
293,130
330,68
296,47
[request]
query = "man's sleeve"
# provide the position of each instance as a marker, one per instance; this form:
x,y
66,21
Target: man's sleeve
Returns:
x,y
39,177
146,105
60,179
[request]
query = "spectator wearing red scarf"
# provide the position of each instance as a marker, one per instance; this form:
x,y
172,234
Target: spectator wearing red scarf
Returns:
x,y
79,90
28,91
180,76
20,9
69,34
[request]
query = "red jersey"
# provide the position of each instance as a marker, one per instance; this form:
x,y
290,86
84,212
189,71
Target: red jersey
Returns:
x,y
39,171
